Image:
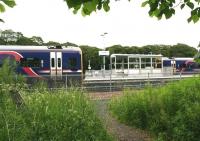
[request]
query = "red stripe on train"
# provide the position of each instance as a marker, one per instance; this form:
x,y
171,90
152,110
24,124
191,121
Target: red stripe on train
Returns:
x,y
18,56
13,53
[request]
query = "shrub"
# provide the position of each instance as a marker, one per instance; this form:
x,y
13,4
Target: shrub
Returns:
x,y
171,112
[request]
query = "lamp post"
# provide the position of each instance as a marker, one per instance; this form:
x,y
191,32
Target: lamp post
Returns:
x,y
104,57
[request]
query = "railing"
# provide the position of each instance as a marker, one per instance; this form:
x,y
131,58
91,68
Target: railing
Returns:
x,y
107,82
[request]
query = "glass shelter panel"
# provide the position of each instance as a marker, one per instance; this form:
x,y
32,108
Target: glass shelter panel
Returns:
x,y
133,63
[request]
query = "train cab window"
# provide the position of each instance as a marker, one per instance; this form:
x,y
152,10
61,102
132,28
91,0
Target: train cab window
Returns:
x,y
72,62
30,62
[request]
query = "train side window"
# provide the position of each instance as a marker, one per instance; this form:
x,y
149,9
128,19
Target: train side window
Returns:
x,y
72,62
52,62
42,63
30,62
59,62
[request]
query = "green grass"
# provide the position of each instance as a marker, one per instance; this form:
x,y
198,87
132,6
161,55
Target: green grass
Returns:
x,y
171,113
56,115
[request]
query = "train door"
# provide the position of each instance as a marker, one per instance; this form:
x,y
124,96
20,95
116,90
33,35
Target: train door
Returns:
x,y
173,65
56,64
59,65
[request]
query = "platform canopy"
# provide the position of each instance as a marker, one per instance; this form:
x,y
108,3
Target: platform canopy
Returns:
x,y
136,62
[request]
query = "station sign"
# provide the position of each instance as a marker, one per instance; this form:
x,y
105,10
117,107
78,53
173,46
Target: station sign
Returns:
x,y
104,53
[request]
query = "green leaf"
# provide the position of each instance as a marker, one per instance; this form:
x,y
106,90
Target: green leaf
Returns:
x,y
106,6
10,3
172,10
190,4
168,14
76,8
73,3
182,6
189,19
195,18
194,12
75,11
91,6
144,3
2,8
156,12
99,6
85,11
198,13
151,13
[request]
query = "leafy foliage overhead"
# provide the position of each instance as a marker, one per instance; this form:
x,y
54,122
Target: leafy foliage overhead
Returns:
x,y
88,6
4,3
158,8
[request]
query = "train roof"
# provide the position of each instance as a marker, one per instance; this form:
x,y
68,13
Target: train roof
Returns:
x,y
178,58
38,48
136,55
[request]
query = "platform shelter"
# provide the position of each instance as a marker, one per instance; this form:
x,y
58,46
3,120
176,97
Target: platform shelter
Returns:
x,y
136,63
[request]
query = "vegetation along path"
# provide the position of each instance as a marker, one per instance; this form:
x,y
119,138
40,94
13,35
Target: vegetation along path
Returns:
x,y
121,132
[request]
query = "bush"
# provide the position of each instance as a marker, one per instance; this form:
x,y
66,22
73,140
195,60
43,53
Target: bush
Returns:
x,y
172,112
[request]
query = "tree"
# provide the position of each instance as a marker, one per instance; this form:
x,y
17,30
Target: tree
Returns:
x,y
52,43
3,3
92,54
37,40
158,8
25,41
69,44
182,50
116,49
9,36
2,42
197,58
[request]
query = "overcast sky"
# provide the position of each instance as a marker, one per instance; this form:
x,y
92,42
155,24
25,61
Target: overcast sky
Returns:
x,y
127,23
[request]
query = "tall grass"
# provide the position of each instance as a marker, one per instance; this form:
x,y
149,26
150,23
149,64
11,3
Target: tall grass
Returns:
x,y
56,115
171,113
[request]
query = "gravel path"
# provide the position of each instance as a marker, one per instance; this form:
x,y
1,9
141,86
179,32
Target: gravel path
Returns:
x,y
120,131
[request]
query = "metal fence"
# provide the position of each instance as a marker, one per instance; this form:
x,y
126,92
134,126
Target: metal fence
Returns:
x,y
109,82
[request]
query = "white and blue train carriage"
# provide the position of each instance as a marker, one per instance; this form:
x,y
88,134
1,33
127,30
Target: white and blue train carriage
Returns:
x,y
43,61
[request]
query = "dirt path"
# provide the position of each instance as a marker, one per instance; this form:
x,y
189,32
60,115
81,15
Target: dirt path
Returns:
x,y
120,131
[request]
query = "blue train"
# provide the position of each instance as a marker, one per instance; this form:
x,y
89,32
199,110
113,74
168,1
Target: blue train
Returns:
x,y
43,61
181,64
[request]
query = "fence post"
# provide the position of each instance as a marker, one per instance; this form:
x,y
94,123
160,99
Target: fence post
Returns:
x,y
66,81
110,80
